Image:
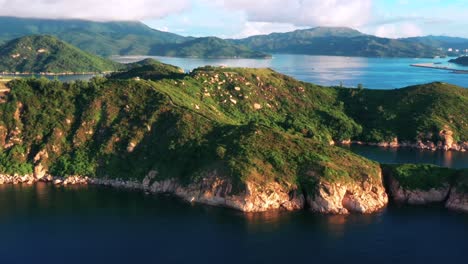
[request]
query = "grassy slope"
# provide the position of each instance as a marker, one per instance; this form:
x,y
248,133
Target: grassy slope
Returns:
x,y
47,54
247,124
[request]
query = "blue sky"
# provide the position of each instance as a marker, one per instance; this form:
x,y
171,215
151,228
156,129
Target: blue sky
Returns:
x,y
386,18
241,18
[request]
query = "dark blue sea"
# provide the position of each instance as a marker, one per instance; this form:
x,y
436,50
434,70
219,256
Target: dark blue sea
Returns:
x,y
47,224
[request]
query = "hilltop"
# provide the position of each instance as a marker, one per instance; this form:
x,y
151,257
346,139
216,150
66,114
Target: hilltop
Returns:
x,y
46,54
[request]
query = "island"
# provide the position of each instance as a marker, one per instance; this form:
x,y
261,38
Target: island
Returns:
x,y
250,139
460,60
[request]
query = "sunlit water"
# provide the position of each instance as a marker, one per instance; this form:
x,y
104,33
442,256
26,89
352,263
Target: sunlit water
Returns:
x,y
46,224
375,73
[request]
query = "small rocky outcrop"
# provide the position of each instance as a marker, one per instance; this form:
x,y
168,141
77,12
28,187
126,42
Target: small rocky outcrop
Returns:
x,y
417,196
336,198
458,200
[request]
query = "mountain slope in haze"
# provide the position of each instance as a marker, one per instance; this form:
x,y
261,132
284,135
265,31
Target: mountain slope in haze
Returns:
x,y
337,41
209,47
36,54
102,38
122,38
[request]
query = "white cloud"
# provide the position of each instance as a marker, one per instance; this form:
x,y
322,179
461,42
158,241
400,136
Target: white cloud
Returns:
x,y
398,30
92,9
303,13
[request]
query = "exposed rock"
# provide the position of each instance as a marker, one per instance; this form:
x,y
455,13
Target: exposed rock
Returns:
x,y
458,200
417,197
217,191
39,172
335,198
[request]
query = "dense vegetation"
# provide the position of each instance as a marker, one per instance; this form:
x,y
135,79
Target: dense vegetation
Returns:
x,y
244,124
339,42
425,177
414,113
35,54
461,60
210,47
125,128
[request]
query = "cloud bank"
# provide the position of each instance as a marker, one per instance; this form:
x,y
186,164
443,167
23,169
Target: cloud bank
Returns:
x,y
92,9
304,13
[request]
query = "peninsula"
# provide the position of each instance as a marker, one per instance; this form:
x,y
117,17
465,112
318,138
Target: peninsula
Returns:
x,y
250,139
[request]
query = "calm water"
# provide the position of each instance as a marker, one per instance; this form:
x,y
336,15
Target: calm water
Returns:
x,y
450,159
376,73
44,224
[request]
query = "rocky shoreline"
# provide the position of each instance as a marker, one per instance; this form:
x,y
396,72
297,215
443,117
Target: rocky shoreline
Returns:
x,y
329,198
422,145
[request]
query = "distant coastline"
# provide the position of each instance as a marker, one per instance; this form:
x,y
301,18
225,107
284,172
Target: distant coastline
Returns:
x,y
433,66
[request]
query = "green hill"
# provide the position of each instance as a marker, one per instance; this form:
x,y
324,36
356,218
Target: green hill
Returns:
x,y
339,42
415,113
35,54
245,126
209,47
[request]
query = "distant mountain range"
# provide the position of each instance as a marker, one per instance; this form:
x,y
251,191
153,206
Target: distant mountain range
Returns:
x,y
339,42
135,38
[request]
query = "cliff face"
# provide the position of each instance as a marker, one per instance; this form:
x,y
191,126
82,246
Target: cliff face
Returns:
x,y
327,198
348,198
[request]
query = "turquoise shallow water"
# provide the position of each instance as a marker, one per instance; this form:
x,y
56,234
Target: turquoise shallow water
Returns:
x,y
47,224
375,73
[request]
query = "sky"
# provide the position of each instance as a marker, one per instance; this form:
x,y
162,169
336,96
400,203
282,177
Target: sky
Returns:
x,y
242,18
